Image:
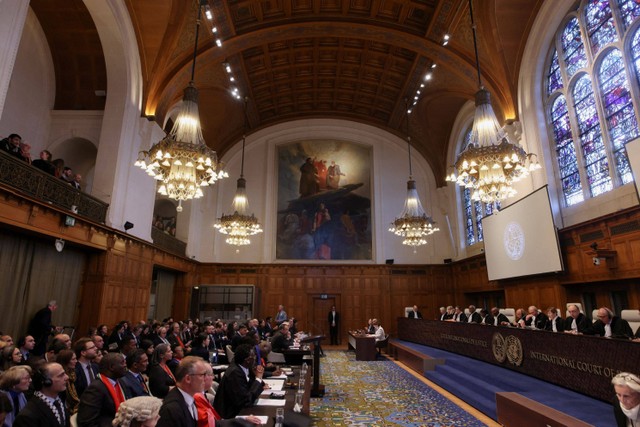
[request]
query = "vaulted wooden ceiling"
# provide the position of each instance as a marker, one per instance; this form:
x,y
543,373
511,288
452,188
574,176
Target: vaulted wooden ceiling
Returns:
x,y
348,59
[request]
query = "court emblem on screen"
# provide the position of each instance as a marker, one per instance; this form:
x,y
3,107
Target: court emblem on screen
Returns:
x,y
513,241
498,347
514,350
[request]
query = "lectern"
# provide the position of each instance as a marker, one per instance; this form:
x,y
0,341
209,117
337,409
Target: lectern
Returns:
x,y
317,389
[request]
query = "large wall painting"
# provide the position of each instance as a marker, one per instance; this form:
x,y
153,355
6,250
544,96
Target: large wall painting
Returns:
x,y
324,201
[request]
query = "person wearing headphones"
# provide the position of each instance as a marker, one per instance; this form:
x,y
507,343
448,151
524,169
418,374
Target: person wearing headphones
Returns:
x,y
610,326
45,408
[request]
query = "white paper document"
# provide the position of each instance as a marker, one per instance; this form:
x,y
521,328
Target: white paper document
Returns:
x,y
274,384
271,402
263,418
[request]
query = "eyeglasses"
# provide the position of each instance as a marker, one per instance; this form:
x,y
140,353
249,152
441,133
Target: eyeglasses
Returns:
x,y
202,374
629,378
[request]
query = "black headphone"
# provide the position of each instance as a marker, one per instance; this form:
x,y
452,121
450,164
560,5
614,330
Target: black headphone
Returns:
x,y
41,379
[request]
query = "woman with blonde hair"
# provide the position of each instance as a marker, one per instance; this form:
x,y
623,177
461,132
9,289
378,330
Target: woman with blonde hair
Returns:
x,y
138,412
14,382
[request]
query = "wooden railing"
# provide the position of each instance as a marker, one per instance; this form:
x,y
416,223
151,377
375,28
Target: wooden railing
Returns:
x,y
33,182
167,242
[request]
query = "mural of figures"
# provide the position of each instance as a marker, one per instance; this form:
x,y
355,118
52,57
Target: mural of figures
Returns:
x,y
324,212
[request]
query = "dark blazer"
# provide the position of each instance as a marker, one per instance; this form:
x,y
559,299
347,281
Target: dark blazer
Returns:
x,y
279,342
583,324
132,386
541,321
463,317
96,408
159,381
81,378
501,318
235,392
174,411
412,315
38,414
40,328
200,352
619,328
330,318
487,320
559,321
475,317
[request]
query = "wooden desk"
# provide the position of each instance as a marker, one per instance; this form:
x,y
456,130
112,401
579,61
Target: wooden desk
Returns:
x,y
581,363
290,397
363,345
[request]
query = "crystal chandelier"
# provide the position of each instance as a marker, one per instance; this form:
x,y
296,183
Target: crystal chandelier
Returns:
x,y
182,162
239,226
490,163
413,224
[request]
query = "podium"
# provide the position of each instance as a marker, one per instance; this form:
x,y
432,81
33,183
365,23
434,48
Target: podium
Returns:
x,y
317,389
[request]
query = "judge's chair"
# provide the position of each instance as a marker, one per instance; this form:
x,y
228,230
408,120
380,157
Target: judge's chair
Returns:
x,y
382,344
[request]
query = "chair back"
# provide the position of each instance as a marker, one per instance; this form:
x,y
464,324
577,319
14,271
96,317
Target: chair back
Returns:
x,y
229,352
407,310
510,313
633,317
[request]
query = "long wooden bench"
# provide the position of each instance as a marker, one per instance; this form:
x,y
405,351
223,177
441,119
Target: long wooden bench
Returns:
x,y
518,411
414,359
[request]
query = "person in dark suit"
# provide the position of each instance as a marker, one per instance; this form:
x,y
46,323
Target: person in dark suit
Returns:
x,y
458,315
133,381
448,314
86,370
626,406
577,323
45,408
487,319
334,322
555,323
101,400
499,319
474,316
536,319
241,384
282,339
611,326
239,336
201,346
415,314
40,327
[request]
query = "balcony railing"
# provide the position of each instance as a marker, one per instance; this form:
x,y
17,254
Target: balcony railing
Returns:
x,y
40,185
167,242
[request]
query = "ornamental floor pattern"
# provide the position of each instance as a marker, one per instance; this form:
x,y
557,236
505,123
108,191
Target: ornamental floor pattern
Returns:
x,y
380,393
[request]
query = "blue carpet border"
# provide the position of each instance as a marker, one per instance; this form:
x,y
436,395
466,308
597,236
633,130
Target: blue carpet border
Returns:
x,y
476,382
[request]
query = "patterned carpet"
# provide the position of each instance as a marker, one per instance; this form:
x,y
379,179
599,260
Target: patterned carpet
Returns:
x,y
380,393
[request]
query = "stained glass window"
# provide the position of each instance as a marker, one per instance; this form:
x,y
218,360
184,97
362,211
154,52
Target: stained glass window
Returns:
x,y
593,149
554,78
620,117
600,26
599,85
566,152
629,11
474,211
573,48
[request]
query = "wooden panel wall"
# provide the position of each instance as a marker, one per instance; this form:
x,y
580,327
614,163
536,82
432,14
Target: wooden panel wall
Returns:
x,y
119,270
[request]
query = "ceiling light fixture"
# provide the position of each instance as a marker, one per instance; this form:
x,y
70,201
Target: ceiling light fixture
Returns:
x,y
239,225
413,224
182,162
490,163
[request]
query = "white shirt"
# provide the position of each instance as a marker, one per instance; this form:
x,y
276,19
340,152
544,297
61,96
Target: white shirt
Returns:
x,y
379,334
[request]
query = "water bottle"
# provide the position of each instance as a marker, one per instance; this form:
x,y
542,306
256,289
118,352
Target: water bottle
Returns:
x,y
279,417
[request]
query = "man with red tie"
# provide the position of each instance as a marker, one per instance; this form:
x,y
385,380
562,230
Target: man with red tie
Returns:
x,y
101,400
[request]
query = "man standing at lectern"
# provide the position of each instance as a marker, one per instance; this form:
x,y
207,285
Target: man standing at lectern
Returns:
x,y
334,320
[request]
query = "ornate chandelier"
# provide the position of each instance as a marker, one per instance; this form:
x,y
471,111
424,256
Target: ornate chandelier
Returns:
x,y
239,226
182,162
490,164
413,224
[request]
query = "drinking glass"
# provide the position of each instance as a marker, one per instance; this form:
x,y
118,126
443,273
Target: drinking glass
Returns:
x,y
279,417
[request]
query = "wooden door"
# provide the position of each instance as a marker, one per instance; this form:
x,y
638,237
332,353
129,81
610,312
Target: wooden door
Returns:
x,y
318,315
